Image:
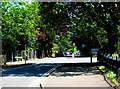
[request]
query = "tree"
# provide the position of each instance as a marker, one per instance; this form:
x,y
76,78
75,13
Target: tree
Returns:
x,y
54,17
85,20
20,21
104,15
60,25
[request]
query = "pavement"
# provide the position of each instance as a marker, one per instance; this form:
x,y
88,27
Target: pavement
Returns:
x,y
76,77
38,73
76,81
57,60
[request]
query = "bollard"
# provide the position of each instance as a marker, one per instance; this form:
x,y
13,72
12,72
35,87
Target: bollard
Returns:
x,y
1,61
118,74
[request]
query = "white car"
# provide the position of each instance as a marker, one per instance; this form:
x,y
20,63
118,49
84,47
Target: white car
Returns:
x,y
77,53
67,54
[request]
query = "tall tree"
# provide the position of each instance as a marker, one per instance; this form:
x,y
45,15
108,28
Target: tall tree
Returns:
x,y
54,17
19,24
104,15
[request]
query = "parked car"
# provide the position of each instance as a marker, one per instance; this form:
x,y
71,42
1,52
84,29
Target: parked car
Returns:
x,y
69,54
77,53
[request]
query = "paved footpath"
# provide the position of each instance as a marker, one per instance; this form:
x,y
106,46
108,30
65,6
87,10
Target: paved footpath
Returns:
x,y
57,60
76,77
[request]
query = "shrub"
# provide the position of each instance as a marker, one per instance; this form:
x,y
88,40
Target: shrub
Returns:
x,y
102,67
110,75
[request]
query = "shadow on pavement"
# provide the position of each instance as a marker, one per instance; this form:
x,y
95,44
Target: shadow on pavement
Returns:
x,y
35,70
76,70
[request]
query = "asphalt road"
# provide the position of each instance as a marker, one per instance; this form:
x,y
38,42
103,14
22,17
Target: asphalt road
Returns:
x,y
24,76
27,76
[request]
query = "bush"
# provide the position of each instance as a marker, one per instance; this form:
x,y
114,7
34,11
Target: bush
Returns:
x,y
110,75
102,67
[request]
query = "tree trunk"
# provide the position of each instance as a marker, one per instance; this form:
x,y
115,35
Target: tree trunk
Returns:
x,y
112,38
13,54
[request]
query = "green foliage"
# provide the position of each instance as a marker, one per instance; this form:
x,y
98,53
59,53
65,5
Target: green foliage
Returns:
x,y
64,44
55,48
99,20
110,75
102,67
92,24
19,20
115,81
102,36
84,21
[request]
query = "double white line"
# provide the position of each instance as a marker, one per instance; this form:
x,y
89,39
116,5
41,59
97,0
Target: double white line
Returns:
x,y
40,80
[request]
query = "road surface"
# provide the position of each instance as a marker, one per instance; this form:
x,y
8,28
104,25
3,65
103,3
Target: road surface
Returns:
x,y
25,76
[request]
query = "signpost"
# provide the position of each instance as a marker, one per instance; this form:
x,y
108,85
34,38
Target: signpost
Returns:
x,y
91,51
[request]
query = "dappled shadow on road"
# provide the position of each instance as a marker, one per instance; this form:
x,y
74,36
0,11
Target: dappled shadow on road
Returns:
x,y
76,70
38,70
35,70
10,66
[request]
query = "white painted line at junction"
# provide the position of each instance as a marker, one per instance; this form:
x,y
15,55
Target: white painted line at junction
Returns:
x,y
41,79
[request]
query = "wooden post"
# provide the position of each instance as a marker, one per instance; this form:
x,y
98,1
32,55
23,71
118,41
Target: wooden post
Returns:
x,y
91,58
117,68
4,56
118,76
35,54
12,56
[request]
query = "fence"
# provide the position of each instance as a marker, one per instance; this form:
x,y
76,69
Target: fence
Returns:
x,y
32,54
3,59
112,63
26,54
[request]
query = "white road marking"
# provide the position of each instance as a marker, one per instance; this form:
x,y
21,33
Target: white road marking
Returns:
x,y
41,79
